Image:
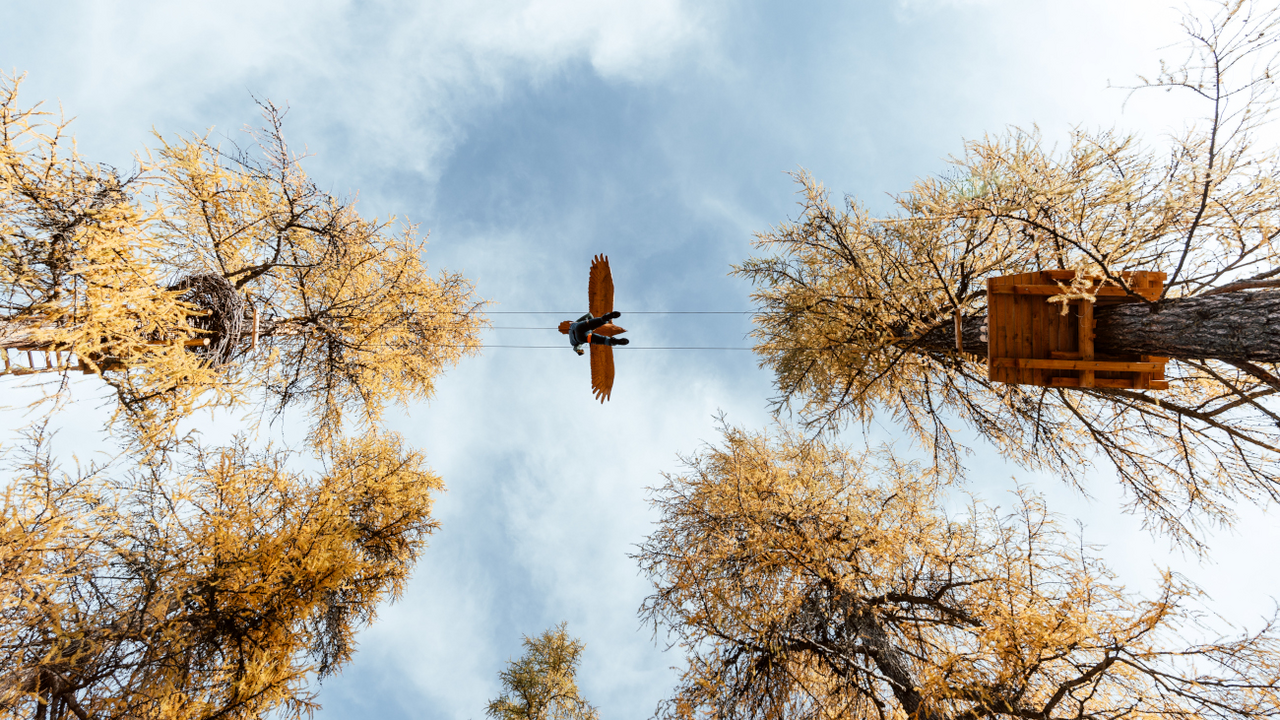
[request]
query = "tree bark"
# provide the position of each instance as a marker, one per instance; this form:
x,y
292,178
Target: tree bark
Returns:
x,y
892,662
1234,327
19,335
942,339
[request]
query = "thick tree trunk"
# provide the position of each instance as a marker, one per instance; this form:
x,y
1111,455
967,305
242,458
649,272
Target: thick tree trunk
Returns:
x,y
893,664
1238,326
19,335
943,338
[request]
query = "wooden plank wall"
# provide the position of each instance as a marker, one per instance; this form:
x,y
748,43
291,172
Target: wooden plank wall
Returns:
x,y
1031,342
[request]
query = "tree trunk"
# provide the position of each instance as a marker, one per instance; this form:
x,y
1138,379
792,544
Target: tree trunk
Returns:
x,y
19,336
893,664
1238,326
942,339
1235,327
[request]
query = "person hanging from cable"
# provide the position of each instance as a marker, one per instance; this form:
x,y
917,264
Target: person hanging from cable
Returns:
x,y
582,331
596,328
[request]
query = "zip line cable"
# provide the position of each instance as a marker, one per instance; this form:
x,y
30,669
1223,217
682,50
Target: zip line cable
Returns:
x,y
628,347
572,312
633,312
622,348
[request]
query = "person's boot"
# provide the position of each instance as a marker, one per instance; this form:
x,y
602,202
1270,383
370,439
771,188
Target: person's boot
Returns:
x,y
621,341
613,315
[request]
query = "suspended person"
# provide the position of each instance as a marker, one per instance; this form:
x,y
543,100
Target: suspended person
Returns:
x,y
582,331
596,328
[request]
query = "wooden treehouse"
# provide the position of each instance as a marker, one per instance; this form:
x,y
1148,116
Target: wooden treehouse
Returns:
x,y
219,315
49,361
24,360
1030,341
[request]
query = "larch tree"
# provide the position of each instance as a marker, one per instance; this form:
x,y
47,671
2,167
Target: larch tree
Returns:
x,y
541,685
217,270
804,581
75,278
859,315
213,590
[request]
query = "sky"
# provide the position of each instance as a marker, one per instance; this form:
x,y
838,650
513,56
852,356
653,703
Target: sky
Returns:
x,y
527,136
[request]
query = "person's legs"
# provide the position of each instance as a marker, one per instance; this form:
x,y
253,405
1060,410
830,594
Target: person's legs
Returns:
x,y
602,340
600,321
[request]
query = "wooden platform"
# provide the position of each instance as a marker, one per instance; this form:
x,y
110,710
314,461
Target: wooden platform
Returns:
x,y
37,359
32,360
1030,341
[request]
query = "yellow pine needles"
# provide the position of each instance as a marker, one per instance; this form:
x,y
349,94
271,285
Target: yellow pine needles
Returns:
x,y
857,314
540,685
210,593
338,314
75,275
806,581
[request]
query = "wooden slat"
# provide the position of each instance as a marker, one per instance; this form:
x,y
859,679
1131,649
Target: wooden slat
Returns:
x,y
1103,365
1084,341
1066,334
1053,290
1035,345
1098,382
1059,274
993,328
998,320
1031,322
1018,331
1118,383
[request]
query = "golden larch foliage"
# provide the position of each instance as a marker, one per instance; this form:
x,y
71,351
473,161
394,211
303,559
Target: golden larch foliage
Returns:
x,y
540,685
805,581
298,299
75,276
213,592
349,318
859,316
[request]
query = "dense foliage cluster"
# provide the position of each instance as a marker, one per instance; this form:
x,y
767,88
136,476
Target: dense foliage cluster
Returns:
x,y
189,581
861,315
800,579
211,590
804,581
332,312
540,685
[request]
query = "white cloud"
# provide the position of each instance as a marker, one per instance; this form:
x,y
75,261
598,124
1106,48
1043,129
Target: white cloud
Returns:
x,y
412,71
628,39
911,9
